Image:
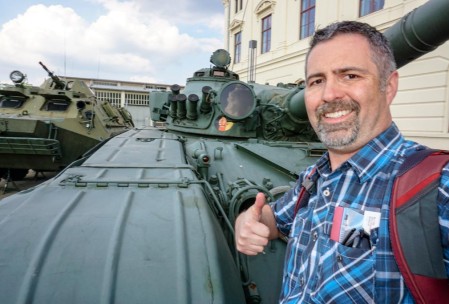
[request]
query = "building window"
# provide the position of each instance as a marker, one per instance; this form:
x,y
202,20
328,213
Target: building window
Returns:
x,y
370,6
137,99
113,97
237,47
238,5
105,83
266,34
307,18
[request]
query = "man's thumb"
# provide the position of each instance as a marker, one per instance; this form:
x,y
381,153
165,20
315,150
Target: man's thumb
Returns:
x,y
258,205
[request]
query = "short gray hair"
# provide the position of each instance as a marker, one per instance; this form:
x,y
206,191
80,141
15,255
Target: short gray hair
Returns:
x,y
382,53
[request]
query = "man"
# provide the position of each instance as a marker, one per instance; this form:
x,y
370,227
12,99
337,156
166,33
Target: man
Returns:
x,y
351,80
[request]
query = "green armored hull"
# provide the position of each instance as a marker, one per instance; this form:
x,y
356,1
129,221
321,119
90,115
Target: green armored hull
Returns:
x,y
46,128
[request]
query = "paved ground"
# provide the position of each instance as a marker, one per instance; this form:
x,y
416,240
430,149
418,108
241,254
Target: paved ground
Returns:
x,y
7,189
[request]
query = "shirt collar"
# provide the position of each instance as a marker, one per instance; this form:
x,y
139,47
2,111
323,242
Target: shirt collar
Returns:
x,y
364,162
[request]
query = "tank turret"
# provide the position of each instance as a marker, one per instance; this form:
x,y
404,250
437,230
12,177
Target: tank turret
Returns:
x,y
217,103
148,217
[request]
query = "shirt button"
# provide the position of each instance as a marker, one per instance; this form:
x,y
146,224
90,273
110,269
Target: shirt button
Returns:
x,y
315,236
326,192
339,258
301,281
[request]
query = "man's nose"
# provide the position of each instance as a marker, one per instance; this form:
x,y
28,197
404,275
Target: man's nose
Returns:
x,y
332,90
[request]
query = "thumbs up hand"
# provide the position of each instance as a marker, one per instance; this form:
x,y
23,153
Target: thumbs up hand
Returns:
x,y
251,234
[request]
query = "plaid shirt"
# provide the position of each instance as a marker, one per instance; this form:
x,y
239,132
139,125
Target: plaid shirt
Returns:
x,y
320,270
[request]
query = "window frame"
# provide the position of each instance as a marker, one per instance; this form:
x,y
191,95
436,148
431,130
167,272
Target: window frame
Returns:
x,y
238,6
237,47
266,34
371,5
305,15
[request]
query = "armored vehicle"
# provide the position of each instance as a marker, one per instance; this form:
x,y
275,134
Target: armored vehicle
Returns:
x,y
46,128
148,217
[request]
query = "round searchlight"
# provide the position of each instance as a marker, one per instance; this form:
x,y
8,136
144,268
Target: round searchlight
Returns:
x,y
17,77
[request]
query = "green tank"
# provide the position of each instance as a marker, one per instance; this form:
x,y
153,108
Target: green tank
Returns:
x,y
148,217
48,127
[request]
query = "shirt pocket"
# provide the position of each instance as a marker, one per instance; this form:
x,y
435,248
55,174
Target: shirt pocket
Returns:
x,y
347,274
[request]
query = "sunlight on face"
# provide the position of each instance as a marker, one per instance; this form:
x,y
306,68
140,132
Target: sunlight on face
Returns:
x,y
345,104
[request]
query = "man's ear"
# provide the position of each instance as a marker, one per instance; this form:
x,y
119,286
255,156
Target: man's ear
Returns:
x,y
392,87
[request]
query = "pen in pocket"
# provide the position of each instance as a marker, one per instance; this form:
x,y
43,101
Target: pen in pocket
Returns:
x,y
357,239
349,238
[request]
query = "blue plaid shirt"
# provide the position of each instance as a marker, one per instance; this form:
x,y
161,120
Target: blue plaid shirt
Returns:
x,y
320,270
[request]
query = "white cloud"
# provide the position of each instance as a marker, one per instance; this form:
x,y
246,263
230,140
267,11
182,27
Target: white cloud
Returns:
x,y
130,41
40,30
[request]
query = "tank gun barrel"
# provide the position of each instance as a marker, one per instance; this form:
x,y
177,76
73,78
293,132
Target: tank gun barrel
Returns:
x,y
419,32
59,84
416,34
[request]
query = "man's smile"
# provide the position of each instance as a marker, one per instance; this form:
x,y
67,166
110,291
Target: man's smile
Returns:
x,y
337,114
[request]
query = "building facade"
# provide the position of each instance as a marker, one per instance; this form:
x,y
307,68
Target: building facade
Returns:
x,y
134,96
273,37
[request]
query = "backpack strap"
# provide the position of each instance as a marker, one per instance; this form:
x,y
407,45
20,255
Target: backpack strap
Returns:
x,y
307,188
414,227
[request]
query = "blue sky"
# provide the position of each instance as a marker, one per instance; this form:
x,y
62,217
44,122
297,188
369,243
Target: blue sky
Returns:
x,y
135,40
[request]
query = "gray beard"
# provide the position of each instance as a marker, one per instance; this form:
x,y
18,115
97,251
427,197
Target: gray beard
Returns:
x,y
331,140
350,129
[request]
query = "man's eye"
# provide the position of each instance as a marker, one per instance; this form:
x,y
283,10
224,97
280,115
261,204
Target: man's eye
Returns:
x,y
351,76
316,81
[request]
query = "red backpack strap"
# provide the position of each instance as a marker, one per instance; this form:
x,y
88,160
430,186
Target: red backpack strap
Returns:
x,y
307,187
414,228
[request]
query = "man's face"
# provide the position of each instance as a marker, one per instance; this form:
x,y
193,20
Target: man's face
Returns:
x,y
343,98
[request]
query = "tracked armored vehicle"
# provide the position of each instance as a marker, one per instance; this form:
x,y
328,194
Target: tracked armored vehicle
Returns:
x,y
46,128
148,217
